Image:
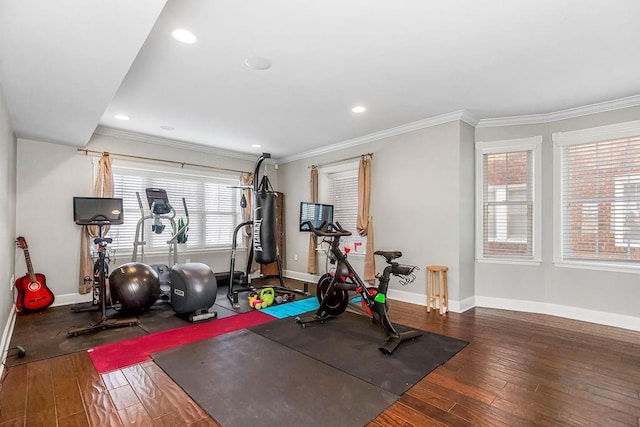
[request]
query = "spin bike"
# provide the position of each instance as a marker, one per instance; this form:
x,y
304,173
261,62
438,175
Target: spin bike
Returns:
x,y
333,289
100,275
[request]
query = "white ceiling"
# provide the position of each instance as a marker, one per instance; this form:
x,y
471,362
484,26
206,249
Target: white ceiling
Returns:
x,y
71,65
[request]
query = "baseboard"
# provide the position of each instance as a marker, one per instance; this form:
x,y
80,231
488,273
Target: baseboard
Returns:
x,y
303,277
575,313
421,299
6,337
67,299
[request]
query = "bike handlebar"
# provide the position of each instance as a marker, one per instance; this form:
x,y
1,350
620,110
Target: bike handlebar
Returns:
x,y
328,229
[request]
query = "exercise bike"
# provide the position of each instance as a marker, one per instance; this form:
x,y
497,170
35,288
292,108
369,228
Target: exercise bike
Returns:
x,y
333,288
99,212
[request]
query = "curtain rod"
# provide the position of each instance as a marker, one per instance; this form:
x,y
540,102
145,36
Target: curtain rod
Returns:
x,y
342,160
131,156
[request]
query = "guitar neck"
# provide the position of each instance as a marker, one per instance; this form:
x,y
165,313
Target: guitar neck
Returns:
x,y
27,258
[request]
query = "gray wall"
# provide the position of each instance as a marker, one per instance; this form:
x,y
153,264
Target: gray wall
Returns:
x,y
467,213
550,288
422,204
7,220
44,203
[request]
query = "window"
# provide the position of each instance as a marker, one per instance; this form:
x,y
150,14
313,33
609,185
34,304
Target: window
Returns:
x,y
598,199
508,200
338,186
343,195
212,204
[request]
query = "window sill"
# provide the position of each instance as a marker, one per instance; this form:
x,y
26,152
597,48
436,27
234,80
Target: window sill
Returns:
x,y
617,268
510,261
180,252
320,250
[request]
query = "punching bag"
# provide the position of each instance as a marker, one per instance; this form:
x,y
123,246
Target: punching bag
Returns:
x,y
264,227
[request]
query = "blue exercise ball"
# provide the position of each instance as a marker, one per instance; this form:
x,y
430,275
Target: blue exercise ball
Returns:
x,y
135,285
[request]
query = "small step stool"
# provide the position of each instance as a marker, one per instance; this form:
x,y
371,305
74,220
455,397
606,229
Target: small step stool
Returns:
x,y
437,288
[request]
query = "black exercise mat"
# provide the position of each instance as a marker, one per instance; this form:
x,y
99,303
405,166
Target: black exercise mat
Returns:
x,y
350,343
44,334
244,379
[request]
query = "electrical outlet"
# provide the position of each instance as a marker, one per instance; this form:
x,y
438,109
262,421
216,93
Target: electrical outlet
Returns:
x,y
295,257
12,281
188,260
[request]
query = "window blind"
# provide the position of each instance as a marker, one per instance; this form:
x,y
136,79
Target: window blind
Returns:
x,y
600,186
212,204
508,204
343,194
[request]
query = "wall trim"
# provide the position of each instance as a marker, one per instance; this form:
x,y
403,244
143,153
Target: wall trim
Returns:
x,y
75,298
575,313
461,115
421,299
569,113
303,277
6,337
173,143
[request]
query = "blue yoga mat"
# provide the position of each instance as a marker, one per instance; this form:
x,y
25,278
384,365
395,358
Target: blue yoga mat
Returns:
x,y
292,308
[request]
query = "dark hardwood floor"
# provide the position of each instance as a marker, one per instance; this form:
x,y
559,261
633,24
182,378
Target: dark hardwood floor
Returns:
x,y
519,369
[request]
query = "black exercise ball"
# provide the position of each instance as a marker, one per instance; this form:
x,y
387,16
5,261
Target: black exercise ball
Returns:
x,y
135,285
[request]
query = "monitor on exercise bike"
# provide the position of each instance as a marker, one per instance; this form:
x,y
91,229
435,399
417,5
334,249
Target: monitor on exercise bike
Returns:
x,y
97,210
158,201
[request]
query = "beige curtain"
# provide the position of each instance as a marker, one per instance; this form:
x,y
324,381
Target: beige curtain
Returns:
x,y
103,187
312,261
365,220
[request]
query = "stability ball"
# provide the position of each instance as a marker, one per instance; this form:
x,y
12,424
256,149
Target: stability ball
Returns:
x,y
135,285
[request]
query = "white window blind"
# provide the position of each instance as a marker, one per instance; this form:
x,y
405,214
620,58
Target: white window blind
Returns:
x,y
508,204
508,200
600,187
212,203
343,195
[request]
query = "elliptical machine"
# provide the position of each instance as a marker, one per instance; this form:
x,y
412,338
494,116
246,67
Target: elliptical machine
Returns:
x,y
190,288
333,289
159,209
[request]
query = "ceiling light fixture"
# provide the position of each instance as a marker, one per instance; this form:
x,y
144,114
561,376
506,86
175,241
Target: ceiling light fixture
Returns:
x,y
358,109
184,36
256,145
121,117
257,63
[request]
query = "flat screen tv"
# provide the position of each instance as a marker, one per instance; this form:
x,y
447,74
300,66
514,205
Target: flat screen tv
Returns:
x,y
97,210
317,213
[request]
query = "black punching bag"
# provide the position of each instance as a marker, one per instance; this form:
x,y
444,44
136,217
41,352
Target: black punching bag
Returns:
x,y
264,227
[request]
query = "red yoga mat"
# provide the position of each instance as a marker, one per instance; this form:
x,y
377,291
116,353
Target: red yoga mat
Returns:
x,y
110,357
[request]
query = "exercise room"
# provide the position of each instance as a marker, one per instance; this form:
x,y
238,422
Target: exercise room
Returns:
x,y
337,213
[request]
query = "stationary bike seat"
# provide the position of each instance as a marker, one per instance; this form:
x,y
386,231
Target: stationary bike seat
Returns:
x,y
389,255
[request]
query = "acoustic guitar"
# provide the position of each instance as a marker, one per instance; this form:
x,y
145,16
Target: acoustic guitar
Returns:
x,y
33,294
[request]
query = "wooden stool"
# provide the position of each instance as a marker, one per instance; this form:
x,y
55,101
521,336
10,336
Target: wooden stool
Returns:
x,y
437,288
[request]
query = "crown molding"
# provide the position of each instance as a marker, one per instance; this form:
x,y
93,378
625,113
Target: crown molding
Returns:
x,y
461,115
601,107
173,143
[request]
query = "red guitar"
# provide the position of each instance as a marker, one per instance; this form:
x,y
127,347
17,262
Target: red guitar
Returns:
x,y
33,294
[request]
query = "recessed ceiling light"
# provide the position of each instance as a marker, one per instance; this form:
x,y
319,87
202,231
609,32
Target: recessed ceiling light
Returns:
x,y
358,109
257,63
165,127
184,36
121,117
256,145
